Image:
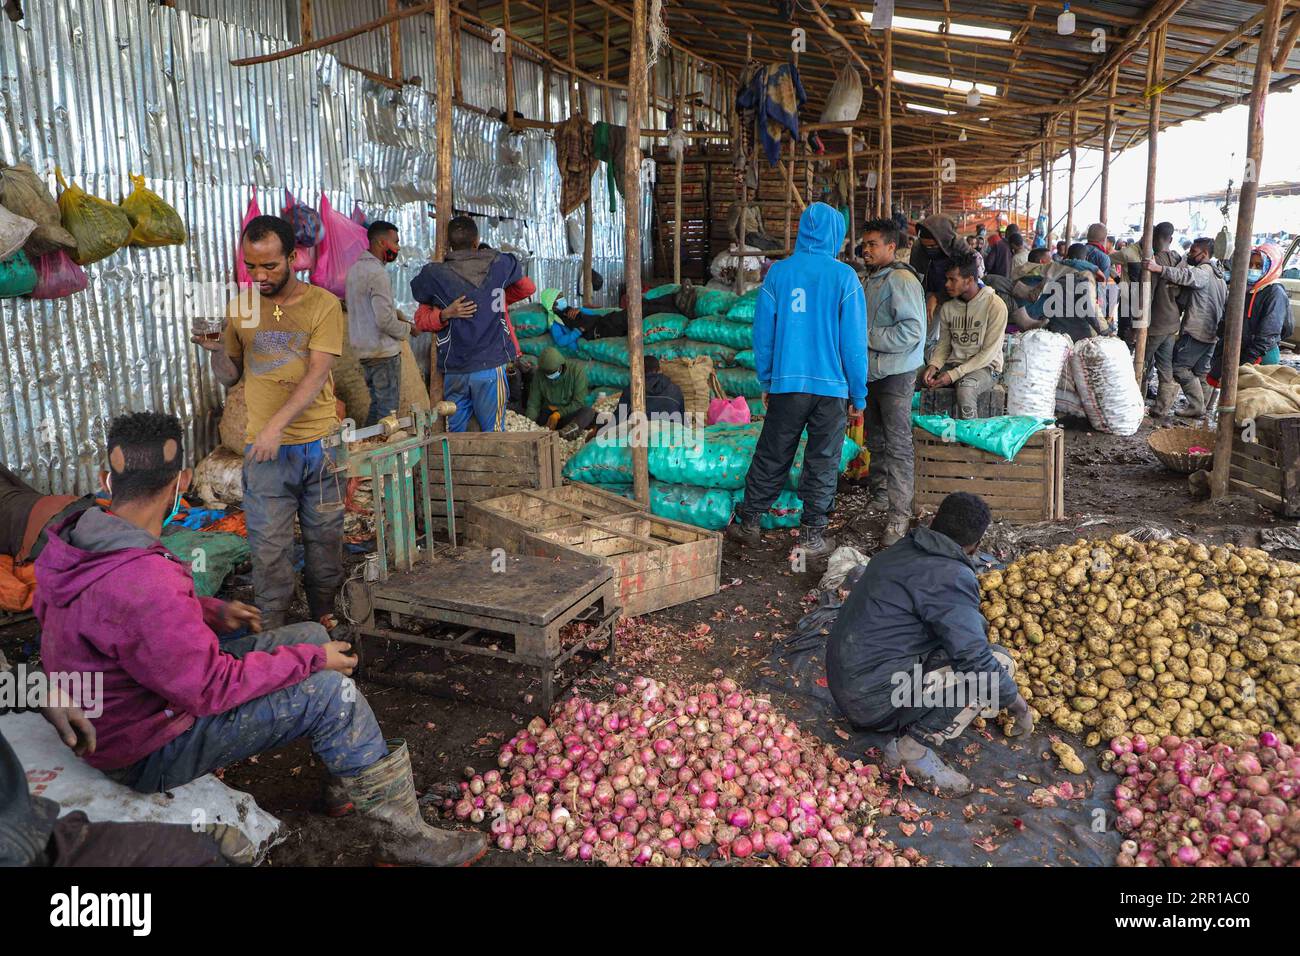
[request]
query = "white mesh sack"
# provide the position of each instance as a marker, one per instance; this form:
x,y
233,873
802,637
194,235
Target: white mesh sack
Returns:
x,y
1033,371
1103,378
1067,399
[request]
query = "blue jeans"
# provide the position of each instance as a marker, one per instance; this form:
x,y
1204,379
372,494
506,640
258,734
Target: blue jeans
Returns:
x,y
384,379
298,482
482,394
787,416
326,707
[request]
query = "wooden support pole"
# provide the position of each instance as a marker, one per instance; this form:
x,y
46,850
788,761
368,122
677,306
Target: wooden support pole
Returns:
x,y
395,45
853,189
1155,71
632,244
676,67
1235,308
1074,160
304,21
791,197
546,66
1108,137
744,183
509,63
1043,196
445,95
886,184
1051,177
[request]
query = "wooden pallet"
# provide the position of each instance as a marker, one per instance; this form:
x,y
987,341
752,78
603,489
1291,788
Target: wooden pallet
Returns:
x,y
505,522
1267,469
492,464
657,563
1031,488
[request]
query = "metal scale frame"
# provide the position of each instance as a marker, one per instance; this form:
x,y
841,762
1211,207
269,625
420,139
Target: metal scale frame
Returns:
x,y
522,600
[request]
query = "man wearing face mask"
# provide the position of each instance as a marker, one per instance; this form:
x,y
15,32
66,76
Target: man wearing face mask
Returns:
x,y
179,701
1202,293
282,338
557,397
1268,314
375,327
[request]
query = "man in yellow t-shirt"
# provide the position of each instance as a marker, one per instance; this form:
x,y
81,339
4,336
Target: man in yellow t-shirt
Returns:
x,y
282,338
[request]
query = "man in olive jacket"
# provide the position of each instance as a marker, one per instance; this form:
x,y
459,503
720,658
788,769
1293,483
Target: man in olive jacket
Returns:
x,y
558,396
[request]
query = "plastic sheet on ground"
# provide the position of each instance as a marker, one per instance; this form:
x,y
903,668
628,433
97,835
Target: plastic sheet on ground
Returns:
x,y
55,773
1277,539
1024,811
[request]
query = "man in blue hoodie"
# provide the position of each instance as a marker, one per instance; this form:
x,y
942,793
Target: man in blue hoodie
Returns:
x,y
810,353
476,346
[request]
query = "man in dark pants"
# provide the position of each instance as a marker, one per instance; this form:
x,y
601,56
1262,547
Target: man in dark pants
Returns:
x,y
810,337
282,341
895,350
909,652
375,327
557,397
1166,319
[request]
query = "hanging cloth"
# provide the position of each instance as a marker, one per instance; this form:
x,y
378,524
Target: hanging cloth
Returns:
x,y
576,159
775,94
608,143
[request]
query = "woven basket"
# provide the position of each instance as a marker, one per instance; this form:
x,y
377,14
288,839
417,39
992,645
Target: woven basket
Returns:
x,y
1170,446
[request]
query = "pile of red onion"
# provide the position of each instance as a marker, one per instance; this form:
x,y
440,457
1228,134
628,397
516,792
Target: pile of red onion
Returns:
x,y
669,776
1193,802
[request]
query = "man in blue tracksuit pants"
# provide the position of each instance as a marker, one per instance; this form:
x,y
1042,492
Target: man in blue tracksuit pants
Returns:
x,y
810,352
475,346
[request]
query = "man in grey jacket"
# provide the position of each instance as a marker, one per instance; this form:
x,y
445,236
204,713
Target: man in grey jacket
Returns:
x,y
375,328
1203,289
1165,315
895,350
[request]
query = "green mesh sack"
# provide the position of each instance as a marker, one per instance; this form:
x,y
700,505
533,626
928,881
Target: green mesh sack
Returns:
x,y
607,458
714,301
659,291
612,351
742,310
530,320
713,328
756,407
596,394
745,359
740,381
719,456
784,513
621,488
535,345
711,508
602,373
664,325
685,348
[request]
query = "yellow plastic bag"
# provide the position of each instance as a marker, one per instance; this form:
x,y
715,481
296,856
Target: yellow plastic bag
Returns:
x,y
860,466
153,222
25,194
99,226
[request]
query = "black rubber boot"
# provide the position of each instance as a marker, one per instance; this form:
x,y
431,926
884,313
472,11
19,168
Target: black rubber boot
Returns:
x,y
814,543
746,532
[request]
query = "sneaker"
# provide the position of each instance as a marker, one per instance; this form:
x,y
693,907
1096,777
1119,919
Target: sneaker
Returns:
x,y
928,770
814,543
747,532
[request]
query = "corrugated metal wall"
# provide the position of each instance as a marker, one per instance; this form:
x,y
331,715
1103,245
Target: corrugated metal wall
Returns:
x,y
125,86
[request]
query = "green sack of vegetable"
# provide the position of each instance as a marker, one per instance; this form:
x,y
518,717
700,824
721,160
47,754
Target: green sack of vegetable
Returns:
x,y
745,359
688,349
534,345
757,408
1003,435
222,552
612,351
659,291
608,456
99,227
663,326
17,276
740,381
25,194
153,222
714,301
602,373
530,320
711,508
742,310
713,328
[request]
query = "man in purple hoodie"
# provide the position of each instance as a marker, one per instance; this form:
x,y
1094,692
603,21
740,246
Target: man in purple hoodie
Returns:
x,y
178,702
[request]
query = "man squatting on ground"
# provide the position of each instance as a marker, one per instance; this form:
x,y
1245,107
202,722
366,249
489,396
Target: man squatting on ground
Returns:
x,y
918,604
178,702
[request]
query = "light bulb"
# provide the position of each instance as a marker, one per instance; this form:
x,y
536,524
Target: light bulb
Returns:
x,y
973,97
962,138
1065,22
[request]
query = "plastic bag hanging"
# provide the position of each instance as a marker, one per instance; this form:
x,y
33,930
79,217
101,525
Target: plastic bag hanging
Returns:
x,y
242,278
341,246
99,226
308,229
58,276
25,194
153,221
844,101
14,232
359,215
17,276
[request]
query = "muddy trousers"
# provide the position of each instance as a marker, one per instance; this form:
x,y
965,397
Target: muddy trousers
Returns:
x,y
1160,356
327,708
906,706
788,414
384,381
299,482
889,440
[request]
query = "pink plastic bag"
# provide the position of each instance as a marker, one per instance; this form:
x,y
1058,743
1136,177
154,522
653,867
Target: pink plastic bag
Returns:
x,y
359,215
58,276
342,245
241,273
304,259
728,411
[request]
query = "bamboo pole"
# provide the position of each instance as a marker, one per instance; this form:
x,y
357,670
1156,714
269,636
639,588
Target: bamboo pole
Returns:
x,y
886,184
509,63
456,27
632,244
675,67
394,45
445,95
1235,308
304,21
853,189
1074,161
547,76
307,47
744,185
1107,139
1155,62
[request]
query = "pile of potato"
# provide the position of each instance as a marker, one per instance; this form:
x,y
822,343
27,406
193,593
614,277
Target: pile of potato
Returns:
x,y
1119,636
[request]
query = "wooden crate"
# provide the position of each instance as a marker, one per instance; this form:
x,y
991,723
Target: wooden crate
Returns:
x,y
1268,468
657,563
492,464
506,521
1031,488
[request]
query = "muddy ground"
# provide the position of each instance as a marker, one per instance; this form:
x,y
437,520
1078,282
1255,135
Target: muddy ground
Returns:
x,y
1112,484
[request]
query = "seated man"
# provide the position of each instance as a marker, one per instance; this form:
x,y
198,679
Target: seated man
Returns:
x,y
913,619
972,325
557,397
663,397
178,704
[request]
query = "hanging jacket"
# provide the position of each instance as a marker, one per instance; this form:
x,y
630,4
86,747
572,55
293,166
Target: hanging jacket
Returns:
x,y
1206,293
482,340
916,597
810,320
111,599
895,321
